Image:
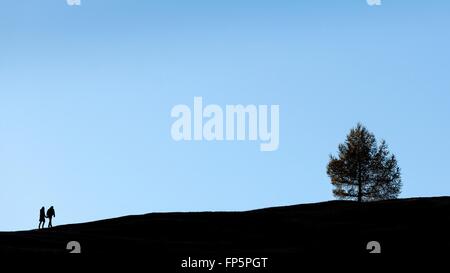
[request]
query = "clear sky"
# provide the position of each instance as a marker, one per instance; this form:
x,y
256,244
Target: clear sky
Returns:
x,y
86,94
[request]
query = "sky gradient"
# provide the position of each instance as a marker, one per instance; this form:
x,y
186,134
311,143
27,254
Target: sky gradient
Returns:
x,y
86,94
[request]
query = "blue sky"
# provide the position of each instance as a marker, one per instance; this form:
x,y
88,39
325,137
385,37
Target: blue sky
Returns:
x,y
86,94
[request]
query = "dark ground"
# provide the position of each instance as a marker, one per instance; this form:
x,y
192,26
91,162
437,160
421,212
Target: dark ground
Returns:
x,y
286,235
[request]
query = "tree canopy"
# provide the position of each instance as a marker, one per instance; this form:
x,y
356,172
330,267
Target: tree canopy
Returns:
x,y
363,169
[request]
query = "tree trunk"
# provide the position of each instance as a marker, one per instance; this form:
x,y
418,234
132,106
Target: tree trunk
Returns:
x,y
359,184
359,191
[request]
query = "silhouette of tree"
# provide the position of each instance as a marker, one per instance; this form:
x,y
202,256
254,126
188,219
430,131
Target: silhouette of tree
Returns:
x,y
364,170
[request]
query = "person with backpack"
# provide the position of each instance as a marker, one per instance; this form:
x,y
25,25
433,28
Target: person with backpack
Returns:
x,y
50,215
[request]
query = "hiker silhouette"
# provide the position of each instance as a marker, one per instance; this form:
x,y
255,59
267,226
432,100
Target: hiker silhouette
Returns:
x,y
41,218
50,214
